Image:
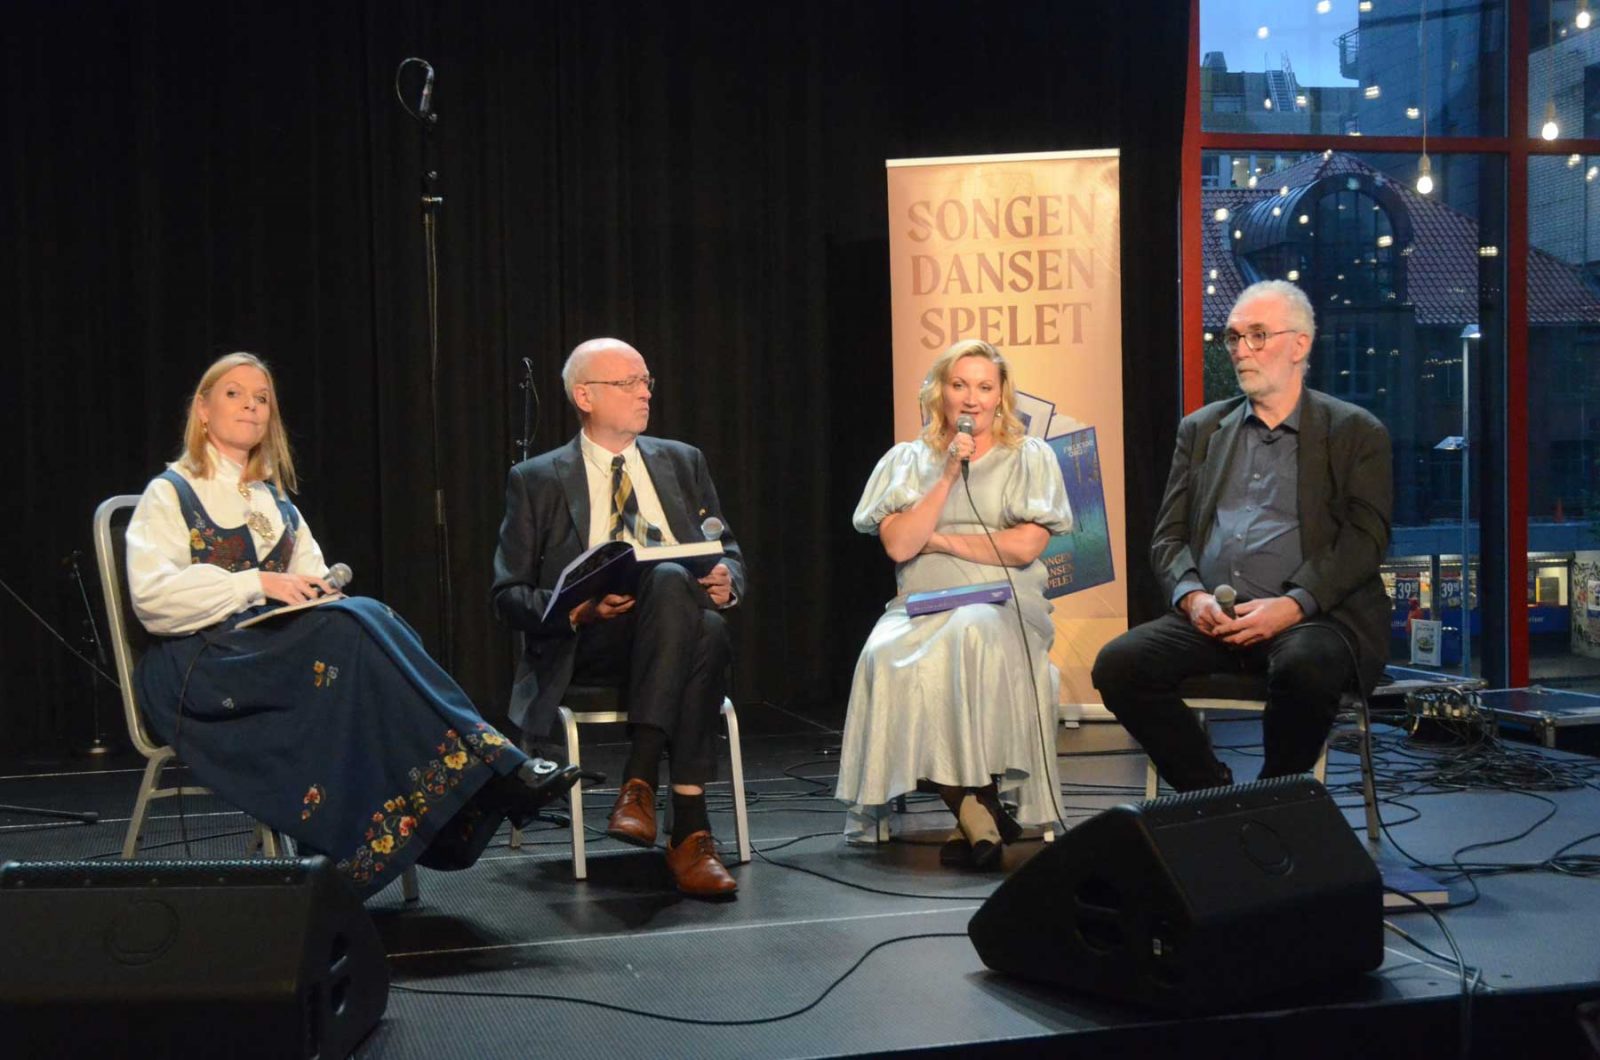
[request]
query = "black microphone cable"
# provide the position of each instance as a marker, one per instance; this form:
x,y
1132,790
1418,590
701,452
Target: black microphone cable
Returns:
x,y
177,735
1045,746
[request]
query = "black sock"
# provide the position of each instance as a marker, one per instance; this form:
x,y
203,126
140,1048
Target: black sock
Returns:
x,y
644,757
688,816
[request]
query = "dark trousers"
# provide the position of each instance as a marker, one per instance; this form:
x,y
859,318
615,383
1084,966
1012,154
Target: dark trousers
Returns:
x,y
1308,667
670,654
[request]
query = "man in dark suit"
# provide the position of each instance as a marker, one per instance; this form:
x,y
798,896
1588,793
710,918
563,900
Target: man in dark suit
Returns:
x,y
666,645
1284,494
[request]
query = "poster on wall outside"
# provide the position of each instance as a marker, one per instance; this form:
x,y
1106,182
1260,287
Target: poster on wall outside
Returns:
x,y
1024,252
1427,635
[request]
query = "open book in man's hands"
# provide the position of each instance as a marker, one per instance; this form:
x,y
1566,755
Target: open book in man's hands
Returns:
x,y
615,566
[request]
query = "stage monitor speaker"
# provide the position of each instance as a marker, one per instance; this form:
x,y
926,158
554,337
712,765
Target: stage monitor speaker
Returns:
x,y
264,957
1193,903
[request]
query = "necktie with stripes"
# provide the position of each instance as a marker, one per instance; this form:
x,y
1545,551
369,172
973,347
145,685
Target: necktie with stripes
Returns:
x,y
625,517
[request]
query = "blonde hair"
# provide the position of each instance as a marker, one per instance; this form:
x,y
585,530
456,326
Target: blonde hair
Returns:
x,y
1008,430
270,460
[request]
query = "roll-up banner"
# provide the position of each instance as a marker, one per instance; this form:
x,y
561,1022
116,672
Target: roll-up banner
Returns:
x,y
1024,251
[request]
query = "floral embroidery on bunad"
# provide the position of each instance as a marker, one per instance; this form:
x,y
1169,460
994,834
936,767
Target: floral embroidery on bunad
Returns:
x,y
312,801
392,826
232,550
227,551
486,743
323,675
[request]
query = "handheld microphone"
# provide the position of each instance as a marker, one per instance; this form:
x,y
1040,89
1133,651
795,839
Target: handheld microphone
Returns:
x,y
425,106
1226,598
712,528
964,426
339,575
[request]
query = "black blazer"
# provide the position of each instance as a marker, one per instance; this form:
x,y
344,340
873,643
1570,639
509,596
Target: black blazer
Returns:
x,y
1345,494
547,526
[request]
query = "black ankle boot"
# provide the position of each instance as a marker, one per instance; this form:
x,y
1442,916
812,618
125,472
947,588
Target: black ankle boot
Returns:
x,y
536,783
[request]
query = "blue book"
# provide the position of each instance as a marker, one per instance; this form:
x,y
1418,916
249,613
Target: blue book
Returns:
x,y
947,599
1408,881
1080,559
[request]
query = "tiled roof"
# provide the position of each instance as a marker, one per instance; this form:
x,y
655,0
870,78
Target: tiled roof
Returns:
x,y
1441,270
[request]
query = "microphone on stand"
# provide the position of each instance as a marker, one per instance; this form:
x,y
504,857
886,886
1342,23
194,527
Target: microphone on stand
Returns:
x,y
1226,598
425,105
964,426
339,575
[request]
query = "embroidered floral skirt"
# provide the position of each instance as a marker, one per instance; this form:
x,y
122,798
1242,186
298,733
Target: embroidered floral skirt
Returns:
x,y
334,726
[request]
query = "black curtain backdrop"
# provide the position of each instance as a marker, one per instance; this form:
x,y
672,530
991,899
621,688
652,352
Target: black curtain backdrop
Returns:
x,y
705,180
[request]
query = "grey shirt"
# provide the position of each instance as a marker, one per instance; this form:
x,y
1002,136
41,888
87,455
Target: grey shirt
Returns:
x,y
1254,544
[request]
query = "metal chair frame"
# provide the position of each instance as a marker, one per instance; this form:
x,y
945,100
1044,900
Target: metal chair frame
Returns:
x,y
571,719
1357,704
122,625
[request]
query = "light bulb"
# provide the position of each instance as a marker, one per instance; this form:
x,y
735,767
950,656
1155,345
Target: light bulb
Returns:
x,y
1582,19
1550,129
1424,176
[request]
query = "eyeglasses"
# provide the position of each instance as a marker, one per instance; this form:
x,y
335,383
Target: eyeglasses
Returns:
x,y
633,382
1255,338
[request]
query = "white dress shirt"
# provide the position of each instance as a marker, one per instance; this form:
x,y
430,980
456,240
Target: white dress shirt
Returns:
x,y
173,595
597,467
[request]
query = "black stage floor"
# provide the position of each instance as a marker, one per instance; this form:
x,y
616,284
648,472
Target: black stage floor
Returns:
x,y
801,963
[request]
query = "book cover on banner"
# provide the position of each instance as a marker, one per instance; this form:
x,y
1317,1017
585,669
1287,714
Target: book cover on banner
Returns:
x,y
1080,559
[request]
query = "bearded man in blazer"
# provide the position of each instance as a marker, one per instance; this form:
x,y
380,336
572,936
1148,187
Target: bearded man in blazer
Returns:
x,y
666,646
1286,495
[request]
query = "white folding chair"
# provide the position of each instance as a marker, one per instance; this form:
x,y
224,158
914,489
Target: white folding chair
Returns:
x,y
596,705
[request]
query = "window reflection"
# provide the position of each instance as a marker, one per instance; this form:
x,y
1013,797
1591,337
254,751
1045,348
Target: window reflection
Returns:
x,y
1347,69
1564,420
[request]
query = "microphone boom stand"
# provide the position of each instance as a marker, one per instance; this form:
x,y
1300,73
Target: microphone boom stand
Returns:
x,y
431,204
86,816
530,398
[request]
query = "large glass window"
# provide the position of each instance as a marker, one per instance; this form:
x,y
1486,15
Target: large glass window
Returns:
x,y
1397,279
1492,397
1563,596
1563,59
1353,67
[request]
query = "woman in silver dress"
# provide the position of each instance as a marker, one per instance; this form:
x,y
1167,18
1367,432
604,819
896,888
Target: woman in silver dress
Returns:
x,y
963,698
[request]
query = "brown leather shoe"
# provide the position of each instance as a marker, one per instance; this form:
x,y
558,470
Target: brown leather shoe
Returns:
x,y
633,815
697,870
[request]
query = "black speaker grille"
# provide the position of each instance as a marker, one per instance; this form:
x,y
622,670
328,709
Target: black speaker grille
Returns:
x,y
1256,795
251,872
